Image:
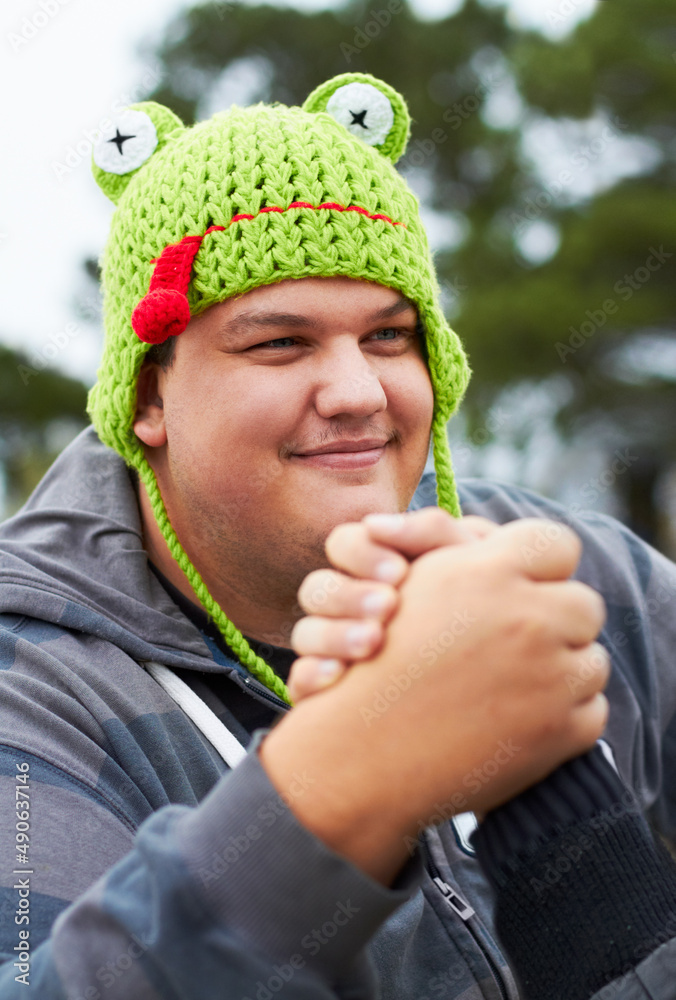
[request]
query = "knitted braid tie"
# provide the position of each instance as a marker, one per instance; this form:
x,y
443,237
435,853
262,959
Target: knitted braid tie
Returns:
x,y
447,493
234,638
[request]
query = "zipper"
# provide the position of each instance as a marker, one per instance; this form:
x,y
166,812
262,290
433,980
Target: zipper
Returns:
x,y
265,694
242,674
454,899
462,908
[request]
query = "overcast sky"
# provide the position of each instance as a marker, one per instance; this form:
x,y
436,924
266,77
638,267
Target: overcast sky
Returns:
x,y
64,64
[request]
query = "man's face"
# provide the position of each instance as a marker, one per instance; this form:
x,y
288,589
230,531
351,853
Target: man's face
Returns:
x,y
287,411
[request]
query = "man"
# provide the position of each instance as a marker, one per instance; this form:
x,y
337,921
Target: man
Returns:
x,y
282,408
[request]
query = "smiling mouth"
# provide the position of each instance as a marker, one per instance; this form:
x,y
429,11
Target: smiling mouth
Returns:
x,y
359,454
342,446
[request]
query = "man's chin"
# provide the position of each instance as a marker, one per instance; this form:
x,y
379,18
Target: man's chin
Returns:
x,y
357,507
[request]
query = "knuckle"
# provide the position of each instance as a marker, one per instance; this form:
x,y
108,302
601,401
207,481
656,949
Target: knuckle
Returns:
x,y
435,518
591,720
599,657
590,603
549,725
589,672
544,532
300,678
605,665
603,713
569,536
305,632
312,582
479,527
527,625
295,633
317,589
344,535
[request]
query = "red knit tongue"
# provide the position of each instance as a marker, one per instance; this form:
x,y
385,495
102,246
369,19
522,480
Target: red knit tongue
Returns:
x,y
164,311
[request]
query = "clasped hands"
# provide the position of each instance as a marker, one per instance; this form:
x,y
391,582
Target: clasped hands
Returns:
x,y
466,595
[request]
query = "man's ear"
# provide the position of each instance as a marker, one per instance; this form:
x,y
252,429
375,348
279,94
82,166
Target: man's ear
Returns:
x,y
149,420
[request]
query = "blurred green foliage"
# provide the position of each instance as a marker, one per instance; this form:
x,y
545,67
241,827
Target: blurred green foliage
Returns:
x,y
482,95
547,171
39,411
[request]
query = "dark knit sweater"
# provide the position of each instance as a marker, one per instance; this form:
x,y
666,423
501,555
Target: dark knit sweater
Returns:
x,y
583,890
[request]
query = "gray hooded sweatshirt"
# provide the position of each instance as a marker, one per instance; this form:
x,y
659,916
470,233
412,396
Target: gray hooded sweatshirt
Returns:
x,y
146,855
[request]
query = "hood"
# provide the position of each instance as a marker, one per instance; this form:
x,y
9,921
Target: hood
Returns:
x,y
74,556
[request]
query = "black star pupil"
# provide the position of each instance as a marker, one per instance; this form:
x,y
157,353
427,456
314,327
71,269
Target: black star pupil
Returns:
x,y
358,118
120,139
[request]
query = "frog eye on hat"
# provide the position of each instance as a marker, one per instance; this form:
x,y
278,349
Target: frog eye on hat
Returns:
x,y
369,109
363,110
129,139
128,142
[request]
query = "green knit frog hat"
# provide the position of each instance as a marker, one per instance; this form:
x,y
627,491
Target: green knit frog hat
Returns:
x,y
251,197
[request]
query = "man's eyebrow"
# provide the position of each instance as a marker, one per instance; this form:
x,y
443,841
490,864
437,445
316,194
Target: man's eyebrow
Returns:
x,y
246,321
260,320
401,305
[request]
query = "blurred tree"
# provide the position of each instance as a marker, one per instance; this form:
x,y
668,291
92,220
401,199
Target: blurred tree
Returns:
x,y
545,172
40,410
602,309
566,274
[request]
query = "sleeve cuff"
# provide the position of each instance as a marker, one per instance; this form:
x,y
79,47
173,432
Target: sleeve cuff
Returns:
x,y
269,879
577,791
582,888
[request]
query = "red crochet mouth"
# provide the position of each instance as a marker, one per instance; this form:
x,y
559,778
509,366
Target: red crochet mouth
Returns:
x,y
164,311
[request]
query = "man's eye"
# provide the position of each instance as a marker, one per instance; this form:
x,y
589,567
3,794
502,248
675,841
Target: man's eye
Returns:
x,y
279,342
389,334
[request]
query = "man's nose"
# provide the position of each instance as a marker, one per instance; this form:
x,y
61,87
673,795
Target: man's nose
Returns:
x,y
348,384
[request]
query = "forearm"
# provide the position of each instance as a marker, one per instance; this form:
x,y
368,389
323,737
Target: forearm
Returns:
x,y
351,806
583,890
203,898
